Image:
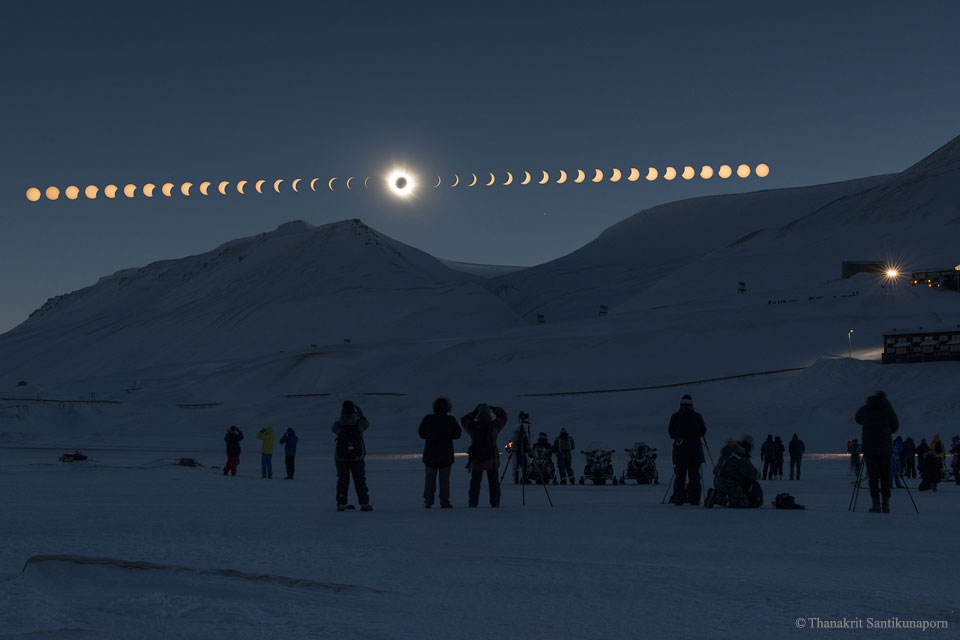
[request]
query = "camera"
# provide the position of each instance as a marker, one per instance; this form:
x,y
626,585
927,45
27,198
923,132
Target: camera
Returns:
x,y
524,416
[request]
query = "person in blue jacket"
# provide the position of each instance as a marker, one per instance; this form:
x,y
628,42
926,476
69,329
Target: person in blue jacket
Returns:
x,y
289,441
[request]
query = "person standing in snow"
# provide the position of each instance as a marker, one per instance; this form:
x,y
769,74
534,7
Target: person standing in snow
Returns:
x,y
909,458
563,445
955,461
438,429
233,438
266,452
939,450
289,441
778,457
768,457
879,424
483,424
796,449
687,429
349,455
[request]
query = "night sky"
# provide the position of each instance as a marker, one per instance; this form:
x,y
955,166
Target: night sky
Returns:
x,y
99,93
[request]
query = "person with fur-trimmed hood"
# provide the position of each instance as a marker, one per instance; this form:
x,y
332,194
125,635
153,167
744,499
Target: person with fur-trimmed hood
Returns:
x,y
687,429
735,478
879,424
483,425
349,454
438,429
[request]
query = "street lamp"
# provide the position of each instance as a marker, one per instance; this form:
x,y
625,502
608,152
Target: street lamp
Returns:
x,y
850,342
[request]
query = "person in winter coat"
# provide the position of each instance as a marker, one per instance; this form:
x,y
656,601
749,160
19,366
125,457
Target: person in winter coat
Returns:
x,y
438,429
563,445
233,438
879,424
520,450
348,455
796,449
289,441
778,457
939,450
909,458
735,478
930,472
483,425
266,452
922,448
687,429
768,457
955,461
897,462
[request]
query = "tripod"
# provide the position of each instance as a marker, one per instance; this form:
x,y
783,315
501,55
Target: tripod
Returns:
x,y
856,488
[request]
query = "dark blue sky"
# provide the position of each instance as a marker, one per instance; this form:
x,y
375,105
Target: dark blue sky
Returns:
x,y
98,93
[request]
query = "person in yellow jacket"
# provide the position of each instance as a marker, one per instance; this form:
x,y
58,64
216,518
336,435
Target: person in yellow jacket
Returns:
x,y
266,452
939,450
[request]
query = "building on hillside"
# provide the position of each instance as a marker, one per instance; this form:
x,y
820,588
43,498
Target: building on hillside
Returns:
x,y
937,278
921,345
850,268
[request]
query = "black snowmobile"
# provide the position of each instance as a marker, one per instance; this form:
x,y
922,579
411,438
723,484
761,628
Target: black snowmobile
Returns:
x,y
599,468
642,466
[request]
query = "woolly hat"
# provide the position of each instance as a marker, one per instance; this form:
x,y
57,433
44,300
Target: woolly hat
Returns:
x,y
686,400
542,435
747,443
348,407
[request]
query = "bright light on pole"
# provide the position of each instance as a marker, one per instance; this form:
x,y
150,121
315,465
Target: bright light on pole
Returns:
x,y
850,343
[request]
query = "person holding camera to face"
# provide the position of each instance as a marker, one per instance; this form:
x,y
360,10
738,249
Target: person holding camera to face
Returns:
x,y
439,429
266,452
483,424
349,454
232,438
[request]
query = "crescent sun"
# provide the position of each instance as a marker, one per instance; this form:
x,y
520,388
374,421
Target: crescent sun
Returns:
x,y
474,181
166,189
365,180
313,184
130,190
616,176
204,186
634,175
581,176
598,177
222,187
563,177
492,180
348,183
294,185
456,181
526,177
545,179
185,188
509,179
259,186
330,184
439,180
652,174
276,185
148,189
240,186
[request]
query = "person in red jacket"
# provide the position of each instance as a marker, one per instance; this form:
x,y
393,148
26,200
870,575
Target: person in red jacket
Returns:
x,y
483,424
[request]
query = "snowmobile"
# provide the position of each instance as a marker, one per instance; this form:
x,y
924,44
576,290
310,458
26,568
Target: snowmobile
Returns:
x,y
76,456
642,466
540,469
599,468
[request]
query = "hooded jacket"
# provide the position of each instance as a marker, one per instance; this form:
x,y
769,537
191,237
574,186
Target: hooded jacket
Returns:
x,y
350,421
909,448
733,469
289,439
266,435
233,439
938,448
439,430
879,424
472,421
687,428
796,447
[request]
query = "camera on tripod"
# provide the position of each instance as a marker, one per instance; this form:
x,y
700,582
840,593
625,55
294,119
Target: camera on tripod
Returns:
x,y
524,417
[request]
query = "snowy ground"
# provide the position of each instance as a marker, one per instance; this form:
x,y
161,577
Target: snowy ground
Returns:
x,y
605,562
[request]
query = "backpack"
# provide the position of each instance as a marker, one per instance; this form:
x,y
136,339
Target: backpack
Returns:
x,y
482,448
350,444
786,501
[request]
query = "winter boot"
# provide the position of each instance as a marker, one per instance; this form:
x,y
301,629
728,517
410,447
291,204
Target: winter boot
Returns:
x,y
876,504
341,507
366,507
885,506
446,505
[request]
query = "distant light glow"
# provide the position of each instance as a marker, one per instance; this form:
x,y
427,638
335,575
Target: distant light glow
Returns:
x,y
892,273
402,183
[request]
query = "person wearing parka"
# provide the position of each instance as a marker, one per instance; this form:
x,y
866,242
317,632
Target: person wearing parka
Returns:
x,y
438,430
349,454
289,441
564,446
778,450
687,429
483,425
909,458
232,438
266,452
939,450
796,449
768,457
879,423
735,478
955,460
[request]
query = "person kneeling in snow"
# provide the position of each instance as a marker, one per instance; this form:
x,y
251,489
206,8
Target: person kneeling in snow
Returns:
x,y
735,478
930,472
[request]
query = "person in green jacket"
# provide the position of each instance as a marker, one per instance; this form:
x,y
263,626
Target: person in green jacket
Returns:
x,y
735,478
266,452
